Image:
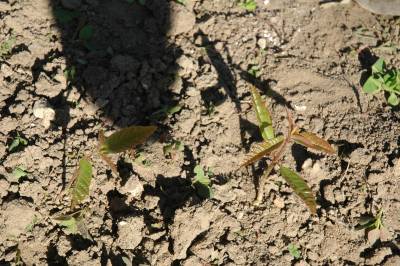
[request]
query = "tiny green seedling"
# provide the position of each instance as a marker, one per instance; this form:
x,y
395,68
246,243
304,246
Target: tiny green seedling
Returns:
x,y
123,140
384,79
70,73
373,226
6,46
31,225
202,183
79,190
19,172
74,224
255,71
249,5
17,143
165,112
172,148
276,146
181,2
294,251
81,182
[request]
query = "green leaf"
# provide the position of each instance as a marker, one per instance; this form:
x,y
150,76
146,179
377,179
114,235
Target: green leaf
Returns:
x,y
86,33
19,172
300,187
372,85
126,139
182,2
70,73
263,115
69,222
174,109
379,66
393,99
365,221
202,183
17,142
64,16
294,251
80,189
7,45
74,224
262,149
249,5
312,141
172,147
32,224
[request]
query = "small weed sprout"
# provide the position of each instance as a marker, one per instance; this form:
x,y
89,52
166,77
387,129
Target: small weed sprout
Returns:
x,y
6,46
384,79
249,5
373,226
17,143
276,146
294,251
202,183
120,141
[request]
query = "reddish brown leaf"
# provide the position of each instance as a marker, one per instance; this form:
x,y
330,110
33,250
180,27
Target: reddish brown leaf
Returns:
x,y
312,141
262,149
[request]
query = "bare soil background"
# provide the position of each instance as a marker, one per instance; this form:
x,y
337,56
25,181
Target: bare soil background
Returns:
x,y
145,58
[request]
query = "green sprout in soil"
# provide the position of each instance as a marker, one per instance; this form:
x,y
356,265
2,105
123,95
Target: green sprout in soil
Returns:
x,y
172,148
123,140
202,183
384,79
181,2
120,141
17,143
276,147
294,251
19,172
249,5
373,226
165,112
31,225
6,46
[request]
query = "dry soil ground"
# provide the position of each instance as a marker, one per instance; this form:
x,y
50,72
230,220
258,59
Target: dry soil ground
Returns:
x,y
143,58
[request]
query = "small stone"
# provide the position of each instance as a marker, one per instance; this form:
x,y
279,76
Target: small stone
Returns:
x,y
42,110
133,188
262,43
3,188
71,4
130,232
177,86
16,109
279,202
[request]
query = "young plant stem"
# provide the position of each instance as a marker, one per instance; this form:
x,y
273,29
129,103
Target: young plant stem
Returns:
x,y
275,160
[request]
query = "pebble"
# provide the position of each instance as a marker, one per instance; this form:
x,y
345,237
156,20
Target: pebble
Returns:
x,y
262,43
42,110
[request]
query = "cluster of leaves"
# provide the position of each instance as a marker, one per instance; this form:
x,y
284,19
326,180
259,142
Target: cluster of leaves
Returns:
x,y
120,141
276,146
384,79
249,5
373,226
